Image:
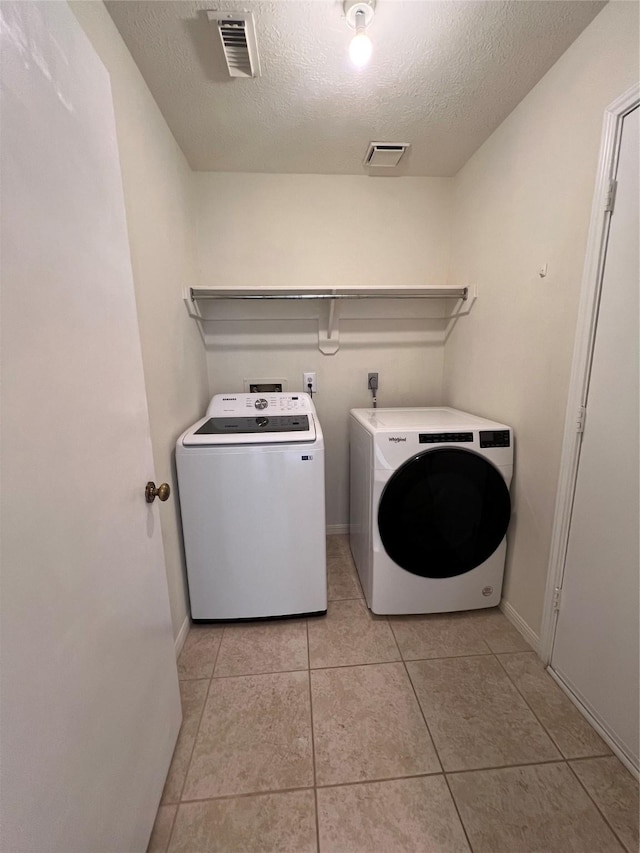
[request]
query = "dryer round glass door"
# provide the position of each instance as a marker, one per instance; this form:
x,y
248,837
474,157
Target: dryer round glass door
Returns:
x,y
443,513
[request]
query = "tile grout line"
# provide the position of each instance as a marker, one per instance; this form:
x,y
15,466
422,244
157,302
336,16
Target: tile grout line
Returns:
x,y
548,762
244,795
449,657
399,659
351,784
380,780
486,769
395,640
195,739
502,767
523,697
537,718
252,674
540,763
313,743
446,781
455,805
445,775
171,828
595,803
420,708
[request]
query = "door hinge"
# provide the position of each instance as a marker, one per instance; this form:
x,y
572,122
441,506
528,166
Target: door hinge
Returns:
x,y
611,197
557,595
580,420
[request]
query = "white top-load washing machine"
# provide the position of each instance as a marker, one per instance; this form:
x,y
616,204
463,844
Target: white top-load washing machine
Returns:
x,y
251,484
430,508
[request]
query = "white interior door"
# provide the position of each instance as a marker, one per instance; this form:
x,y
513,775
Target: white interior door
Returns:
x,y
595,651
90,701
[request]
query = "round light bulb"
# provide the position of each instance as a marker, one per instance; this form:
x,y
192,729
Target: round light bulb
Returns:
x,y
360,49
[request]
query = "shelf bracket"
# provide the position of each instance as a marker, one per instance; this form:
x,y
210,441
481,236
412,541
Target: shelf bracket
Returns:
x,y
462,309
329,332
193,311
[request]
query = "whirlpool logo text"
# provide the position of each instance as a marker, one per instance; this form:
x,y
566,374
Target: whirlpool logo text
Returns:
x,y
397,438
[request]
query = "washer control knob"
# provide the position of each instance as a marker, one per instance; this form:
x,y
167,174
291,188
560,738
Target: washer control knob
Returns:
x,y
261,403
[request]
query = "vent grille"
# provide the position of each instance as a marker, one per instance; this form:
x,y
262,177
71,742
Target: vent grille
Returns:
x,y
238,36
384,154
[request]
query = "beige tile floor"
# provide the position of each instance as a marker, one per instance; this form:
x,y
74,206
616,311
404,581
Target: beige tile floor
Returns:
x,y
353,732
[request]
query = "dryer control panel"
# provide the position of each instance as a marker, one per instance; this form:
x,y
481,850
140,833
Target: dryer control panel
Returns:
x,y
494,438
444,437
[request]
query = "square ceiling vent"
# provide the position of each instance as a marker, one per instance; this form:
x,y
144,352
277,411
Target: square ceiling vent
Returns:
x,y
384,155
237,32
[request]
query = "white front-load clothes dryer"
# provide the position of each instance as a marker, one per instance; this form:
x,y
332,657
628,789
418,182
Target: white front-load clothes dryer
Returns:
x,y
430,507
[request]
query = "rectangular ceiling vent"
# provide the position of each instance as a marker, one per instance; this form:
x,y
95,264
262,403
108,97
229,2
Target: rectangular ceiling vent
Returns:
x,y
385,155
238,36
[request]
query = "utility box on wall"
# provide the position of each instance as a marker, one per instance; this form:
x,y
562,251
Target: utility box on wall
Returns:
x,y
259,386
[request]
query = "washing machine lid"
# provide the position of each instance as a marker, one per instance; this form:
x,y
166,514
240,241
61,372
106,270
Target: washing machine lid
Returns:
x,y
278,429
275,418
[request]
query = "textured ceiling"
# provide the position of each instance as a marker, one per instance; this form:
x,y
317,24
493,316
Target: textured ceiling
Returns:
x,y
442,77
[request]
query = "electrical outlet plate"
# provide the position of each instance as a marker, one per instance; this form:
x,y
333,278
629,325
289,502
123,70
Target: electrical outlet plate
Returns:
x,y
264,385
309,378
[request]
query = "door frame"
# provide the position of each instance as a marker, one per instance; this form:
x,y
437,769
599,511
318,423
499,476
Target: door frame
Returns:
x,y
591,288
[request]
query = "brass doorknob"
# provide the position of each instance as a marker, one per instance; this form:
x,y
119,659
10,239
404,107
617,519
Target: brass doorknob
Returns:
x,y
151,492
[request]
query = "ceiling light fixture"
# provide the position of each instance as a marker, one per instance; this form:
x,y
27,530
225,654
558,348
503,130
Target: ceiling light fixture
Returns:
x,y
359,14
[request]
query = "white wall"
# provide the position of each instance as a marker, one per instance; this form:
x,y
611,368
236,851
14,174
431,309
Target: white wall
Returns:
x,y
326,231
524,200
158,197
321,230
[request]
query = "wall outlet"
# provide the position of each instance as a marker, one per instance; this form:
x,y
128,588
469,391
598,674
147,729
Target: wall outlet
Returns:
x,y
309,379
372,381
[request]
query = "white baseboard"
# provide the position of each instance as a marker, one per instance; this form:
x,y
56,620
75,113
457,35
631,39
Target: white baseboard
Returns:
x,y
182,635
520,625
335,529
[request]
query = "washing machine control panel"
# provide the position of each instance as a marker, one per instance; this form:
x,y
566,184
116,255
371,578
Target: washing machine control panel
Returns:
x,y
277,403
